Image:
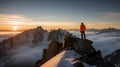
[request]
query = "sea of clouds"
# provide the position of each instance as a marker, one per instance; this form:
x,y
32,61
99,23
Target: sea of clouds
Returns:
x,y
25,55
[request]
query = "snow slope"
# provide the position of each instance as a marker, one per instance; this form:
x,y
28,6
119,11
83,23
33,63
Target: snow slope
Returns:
x,y
63,59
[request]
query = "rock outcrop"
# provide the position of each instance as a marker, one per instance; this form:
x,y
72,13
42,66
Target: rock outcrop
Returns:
x,y
53,49
68,41
38,35
114,58
89,54
57,35
56,47
84,47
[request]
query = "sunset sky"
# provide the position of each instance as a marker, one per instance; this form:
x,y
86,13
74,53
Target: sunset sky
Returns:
x,y
52,14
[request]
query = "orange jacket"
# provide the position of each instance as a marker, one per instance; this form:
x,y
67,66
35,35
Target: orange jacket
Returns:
x,y
82,27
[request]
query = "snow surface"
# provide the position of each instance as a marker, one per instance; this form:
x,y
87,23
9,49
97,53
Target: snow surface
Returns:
x,y
63,59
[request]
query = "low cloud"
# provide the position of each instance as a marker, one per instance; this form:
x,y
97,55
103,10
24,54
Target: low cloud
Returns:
x,y
11,19
8,21
111,15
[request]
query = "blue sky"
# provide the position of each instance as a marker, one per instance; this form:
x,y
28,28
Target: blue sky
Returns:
x,y
89,11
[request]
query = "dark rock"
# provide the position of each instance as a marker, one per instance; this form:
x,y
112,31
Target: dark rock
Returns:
x,y
84,47
89,55
38,63
114,58
57,35
106,64
78,64
69,40
11,41
53,49
12,64
44,56
39,34
94,58
3,47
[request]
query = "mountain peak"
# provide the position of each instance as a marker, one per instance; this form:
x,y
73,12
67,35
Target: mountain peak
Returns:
x,y
40,28
76,53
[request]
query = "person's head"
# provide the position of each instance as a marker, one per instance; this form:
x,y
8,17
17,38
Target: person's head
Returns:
x,y
81,22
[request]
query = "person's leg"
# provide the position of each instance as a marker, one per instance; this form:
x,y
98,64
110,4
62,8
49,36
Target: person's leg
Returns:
x,y
84,35
81,35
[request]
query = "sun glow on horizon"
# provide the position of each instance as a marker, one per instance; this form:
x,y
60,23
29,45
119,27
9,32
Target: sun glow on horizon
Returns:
x,y
10,22
15,28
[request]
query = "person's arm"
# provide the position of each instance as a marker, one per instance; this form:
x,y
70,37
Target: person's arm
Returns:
x,y
85,27
80,27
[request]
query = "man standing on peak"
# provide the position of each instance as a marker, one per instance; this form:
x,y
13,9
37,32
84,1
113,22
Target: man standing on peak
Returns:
x,y
82,30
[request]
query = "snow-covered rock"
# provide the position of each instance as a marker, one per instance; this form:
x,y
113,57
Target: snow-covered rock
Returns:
x,y
89,57
63,59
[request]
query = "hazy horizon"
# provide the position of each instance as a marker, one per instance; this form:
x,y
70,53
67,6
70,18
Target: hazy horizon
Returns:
x,y
69,29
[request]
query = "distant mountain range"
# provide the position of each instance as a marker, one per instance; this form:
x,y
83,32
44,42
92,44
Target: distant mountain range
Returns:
x,y
99,30
109,30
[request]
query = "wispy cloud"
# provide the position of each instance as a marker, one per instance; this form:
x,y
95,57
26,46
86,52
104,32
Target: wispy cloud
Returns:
x,y
24,22
48,17
11,19
111,15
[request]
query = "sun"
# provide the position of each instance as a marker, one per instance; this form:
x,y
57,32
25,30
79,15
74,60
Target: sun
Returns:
x,y
14,28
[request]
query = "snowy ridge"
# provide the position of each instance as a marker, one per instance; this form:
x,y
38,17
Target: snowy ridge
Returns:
x,y
63,59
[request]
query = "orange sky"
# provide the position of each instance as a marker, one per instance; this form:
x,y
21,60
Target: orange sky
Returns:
x,y
19,22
